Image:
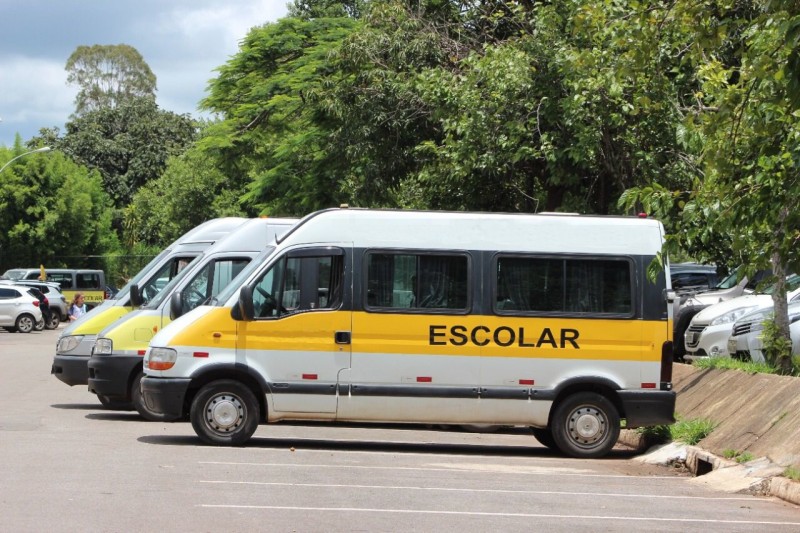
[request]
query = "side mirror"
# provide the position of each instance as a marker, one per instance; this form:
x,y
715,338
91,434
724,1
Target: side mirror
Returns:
x,y
244,310
175,305
136,296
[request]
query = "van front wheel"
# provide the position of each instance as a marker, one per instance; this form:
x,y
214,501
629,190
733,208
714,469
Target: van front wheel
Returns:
x,y
224,413
585,425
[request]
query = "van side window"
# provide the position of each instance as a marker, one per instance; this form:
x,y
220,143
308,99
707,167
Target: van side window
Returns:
x,y
563,286
296,284
63,279
87,281
152,287
417,281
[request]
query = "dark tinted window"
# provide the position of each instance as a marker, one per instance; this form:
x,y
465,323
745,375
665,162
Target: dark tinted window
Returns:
x,y
558,285
417,281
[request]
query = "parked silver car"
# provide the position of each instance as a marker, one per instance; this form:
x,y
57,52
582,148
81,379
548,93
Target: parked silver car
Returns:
x,y
19,310
745,342
58,302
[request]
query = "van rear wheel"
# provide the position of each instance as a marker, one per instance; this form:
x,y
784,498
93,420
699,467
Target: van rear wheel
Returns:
x,y
585,425
225,413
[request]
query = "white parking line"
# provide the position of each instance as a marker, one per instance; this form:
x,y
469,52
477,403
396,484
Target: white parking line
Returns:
x,y
528,471
505,515
498,491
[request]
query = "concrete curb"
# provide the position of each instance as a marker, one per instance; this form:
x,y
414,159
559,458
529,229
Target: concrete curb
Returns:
x,y
758,477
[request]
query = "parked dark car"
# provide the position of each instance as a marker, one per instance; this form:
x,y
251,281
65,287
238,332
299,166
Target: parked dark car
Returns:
x,y
692,277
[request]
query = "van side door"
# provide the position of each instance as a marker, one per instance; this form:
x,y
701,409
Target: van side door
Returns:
x,y
299,340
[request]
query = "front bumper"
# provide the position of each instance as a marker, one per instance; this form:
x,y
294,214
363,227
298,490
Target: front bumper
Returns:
x,y
648,408
711,342
72,370
72,367
111,375
165,395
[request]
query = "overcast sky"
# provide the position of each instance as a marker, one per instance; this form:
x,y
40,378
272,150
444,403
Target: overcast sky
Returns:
x,y
183,41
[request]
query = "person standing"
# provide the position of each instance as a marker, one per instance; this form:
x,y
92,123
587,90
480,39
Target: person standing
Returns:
x,y
78,308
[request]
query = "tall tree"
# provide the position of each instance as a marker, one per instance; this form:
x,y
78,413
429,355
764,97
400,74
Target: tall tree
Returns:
x,y
107,76
128,144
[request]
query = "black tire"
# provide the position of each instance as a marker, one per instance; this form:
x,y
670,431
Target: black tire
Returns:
x,y
25,323
114,404
224,413
545,438
585,425
139,404
39,325
682,321
53,320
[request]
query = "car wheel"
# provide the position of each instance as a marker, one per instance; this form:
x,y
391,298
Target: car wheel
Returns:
x,y
139,404
585,425
545,437
53,321
25,323
39,326
114,404
225,412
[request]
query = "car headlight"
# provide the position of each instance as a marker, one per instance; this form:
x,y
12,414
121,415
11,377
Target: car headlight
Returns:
x,y
731,316
161,358
69,343
103,346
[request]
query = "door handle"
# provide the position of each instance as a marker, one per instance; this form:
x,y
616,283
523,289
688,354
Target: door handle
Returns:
x,y
341,337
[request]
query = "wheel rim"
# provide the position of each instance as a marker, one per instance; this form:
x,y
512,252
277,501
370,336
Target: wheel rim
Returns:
x,y
25,324
587,426
224,413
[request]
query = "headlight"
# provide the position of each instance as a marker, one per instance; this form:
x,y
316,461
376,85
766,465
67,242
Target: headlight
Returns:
x,y
161,358
731,316
67,344
103,346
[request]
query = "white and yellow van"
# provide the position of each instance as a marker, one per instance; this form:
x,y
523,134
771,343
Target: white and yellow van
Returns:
x,y
547,321
115,367
76,341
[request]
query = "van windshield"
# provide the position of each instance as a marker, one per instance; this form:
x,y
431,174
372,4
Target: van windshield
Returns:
x,y
14,273
169,288
123,292
236,282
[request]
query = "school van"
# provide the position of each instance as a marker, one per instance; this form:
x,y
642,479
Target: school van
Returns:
x,y
115,366
74,345
91,283
547,321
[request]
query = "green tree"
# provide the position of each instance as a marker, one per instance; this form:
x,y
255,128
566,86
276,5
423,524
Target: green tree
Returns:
x,y
128,144
191,191
107,76
54,212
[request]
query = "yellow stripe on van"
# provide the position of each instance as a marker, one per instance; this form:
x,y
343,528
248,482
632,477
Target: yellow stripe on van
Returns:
x,y
136,332
439,335
97,320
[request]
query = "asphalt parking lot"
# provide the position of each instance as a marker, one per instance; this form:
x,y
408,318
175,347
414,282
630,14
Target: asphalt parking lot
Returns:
x,y
69,465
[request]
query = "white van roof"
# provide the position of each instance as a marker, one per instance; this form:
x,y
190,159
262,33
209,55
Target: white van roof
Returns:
x,y
209,231
254,235
543,233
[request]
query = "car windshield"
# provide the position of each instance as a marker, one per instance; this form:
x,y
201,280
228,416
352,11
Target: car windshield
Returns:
x,y
792,284
236,282
123,292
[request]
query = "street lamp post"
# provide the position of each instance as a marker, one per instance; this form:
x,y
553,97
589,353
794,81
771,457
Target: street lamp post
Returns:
x,y
37,151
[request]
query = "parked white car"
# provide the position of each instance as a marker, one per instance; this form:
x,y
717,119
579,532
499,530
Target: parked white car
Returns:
x,y
745,342
19,310
710,329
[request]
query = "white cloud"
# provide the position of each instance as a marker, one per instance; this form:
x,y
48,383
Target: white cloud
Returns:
x,y
183,41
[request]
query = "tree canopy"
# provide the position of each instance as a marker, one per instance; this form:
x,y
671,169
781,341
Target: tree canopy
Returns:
x,y
107,76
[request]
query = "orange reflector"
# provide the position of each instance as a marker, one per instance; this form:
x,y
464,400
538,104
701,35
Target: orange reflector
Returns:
x,y
155,329
156,365
200,354
141,352
648,385
309,376
526,382
424,379
216,335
